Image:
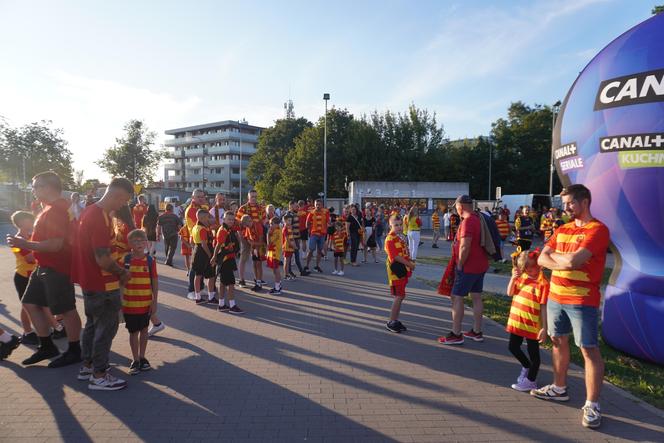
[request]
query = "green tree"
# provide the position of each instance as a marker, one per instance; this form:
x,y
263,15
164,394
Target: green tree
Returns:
x,y
267,164
522,144
657,9
34,148
133,156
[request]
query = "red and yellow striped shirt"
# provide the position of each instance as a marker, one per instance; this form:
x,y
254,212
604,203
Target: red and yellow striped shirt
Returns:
x,y
525,317
317,221
339,241
580,286
503,228
274,245
137,294
287,237
395,246
23,267
435,221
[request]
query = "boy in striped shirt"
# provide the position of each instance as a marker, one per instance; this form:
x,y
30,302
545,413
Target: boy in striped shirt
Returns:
x,y
139,298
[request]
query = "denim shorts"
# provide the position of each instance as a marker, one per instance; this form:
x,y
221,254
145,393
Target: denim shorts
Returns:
x,y
316,241
465,282
582,320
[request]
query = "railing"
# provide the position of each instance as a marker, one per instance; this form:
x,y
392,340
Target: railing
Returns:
x,y
206,138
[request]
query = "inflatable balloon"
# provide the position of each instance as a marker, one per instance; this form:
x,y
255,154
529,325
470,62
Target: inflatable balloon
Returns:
x,y
610,137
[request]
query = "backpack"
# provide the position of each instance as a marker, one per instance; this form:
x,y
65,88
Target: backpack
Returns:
x,y
494,236
127,263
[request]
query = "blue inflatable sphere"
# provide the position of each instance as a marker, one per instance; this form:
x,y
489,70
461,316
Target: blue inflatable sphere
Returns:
x,y
610,137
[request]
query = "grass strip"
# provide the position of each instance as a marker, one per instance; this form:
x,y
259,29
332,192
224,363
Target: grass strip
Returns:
x,y
642,379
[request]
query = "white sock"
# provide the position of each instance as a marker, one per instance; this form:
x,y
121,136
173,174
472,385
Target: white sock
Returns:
x,y
277,286
58,327
559,389
592,404
212,295
5,337
197,295
231,303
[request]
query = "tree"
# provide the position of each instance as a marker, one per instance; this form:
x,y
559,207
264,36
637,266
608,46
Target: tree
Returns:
x,y
267,164
34,148
522,146
132,156
657,10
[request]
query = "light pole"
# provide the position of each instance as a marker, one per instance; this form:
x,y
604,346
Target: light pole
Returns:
x,y
554,111
490,160
326,97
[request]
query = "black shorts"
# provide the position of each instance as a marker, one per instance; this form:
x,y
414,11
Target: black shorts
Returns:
x,y
226,271
136,322
304,235
49,288
340,254
201,264
20,283
330,230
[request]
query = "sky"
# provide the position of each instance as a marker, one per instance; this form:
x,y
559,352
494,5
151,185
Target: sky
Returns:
x,y
91,66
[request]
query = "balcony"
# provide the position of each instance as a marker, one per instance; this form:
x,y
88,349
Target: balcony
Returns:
x,y
215,137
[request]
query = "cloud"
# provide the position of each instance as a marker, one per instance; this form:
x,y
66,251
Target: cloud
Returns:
x,y
479,44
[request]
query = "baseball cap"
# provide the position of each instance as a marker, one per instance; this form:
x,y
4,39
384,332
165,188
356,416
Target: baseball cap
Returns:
x,y
464,199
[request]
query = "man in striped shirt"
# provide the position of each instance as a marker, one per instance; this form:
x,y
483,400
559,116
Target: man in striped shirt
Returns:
x,y
576,253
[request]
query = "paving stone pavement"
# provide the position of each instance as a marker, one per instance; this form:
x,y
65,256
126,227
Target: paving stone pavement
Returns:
x,y
315,364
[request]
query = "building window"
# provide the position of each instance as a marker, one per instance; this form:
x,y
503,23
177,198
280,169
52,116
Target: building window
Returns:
x,y
197,171
236,170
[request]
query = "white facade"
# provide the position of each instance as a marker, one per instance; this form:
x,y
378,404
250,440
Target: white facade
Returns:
x,y
211,156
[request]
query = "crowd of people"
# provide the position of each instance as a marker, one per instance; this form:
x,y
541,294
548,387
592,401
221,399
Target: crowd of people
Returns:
x,y
108,249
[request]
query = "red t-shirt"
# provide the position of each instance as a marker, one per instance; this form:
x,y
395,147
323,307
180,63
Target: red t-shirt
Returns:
x,y
95,231
580,286
477,262
54,222
138,212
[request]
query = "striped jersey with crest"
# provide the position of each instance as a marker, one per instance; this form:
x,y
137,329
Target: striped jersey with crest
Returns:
x,y
580,286
137,293
525,317
395,246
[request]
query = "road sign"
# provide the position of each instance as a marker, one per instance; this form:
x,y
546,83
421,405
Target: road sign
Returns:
x,y
138,189
499,192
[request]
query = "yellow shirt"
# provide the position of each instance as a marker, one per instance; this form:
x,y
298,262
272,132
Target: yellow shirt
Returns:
x,y
23,268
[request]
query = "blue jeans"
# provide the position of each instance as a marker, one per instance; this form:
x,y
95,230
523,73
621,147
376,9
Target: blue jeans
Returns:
x,y
582,320
316,241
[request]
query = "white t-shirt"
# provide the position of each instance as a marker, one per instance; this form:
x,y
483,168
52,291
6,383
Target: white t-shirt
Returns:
x,y
446,219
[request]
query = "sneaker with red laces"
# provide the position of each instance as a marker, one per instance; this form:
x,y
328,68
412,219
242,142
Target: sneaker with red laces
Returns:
x,y
451,339
475,336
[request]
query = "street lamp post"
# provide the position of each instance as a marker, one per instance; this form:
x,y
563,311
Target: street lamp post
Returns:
x,y
490,160
326,97
554,111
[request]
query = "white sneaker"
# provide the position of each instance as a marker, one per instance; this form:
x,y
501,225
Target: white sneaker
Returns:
x,y
106,383
191,295
154,330
522,375
334,272
84,373
340,273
